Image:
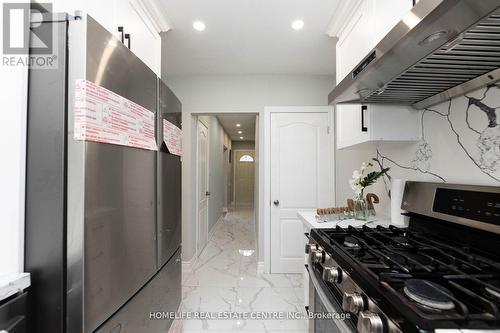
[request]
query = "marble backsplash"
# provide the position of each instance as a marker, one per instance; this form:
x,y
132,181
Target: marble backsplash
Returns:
x,y
460,143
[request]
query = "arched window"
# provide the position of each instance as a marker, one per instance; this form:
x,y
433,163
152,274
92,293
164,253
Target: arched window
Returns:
x,y
246,158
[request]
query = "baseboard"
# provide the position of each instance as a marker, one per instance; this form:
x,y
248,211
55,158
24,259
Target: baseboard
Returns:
x,y
188,265
211,232
260,267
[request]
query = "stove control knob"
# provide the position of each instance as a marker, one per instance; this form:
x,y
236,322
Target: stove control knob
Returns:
x,y
331,274
369,322
310,248
353,302
318,256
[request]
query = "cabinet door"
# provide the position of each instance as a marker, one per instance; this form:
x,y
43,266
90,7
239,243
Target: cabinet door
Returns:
x,y
349,125
356,40
387,15
145,41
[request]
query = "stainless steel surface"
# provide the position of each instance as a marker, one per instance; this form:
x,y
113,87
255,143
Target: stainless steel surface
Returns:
x,y
330,274
310,247
316,288
347,286
120,183
92,205
169,179
418,198
369,322
411,67
75,189
318,256
161,295
352,302
45,190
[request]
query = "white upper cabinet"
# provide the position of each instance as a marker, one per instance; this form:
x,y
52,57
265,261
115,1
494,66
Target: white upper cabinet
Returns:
x,y
357,124
387,14
139,19
144,39
355,41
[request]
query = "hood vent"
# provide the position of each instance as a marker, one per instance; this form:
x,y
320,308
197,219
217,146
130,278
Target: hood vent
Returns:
x,y
453,49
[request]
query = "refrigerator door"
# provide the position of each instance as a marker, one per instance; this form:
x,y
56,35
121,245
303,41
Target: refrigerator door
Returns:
x,y
45,219
149,311
169,179
118,217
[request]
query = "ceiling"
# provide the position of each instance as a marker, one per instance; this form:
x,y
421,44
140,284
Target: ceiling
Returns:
x,y
247,122
249,37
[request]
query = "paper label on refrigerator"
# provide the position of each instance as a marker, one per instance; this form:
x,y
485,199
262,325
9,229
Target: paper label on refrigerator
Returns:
x,y
103,116
172,136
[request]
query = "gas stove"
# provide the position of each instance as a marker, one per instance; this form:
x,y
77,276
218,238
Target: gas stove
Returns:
x,y
440,273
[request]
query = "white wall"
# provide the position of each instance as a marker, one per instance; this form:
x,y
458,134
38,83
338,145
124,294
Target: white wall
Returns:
x,y
243,145
218,168
258,235
13,103
457,146
249,93
229,94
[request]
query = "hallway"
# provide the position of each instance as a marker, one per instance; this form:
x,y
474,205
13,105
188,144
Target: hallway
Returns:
x,y
225,279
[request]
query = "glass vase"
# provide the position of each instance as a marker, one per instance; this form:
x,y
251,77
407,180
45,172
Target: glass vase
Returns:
x,y
360,209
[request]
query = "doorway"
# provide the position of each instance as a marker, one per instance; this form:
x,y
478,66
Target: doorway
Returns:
x,y
244,177
300,179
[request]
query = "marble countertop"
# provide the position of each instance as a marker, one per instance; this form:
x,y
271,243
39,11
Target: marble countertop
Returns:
x,y
10,284
310,221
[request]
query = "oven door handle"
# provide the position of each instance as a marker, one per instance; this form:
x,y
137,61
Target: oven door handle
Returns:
x,y
341,324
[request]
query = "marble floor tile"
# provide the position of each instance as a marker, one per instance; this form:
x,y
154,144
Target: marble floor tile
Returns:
x,y
225,278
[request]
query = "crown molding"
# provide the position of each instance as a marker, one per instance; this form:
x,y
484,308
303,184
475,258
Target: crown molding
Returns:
x,y
155,14
343,14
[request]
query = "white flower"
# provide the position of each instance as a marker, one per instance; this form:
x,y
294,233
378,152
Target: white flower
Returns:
x,y
356,175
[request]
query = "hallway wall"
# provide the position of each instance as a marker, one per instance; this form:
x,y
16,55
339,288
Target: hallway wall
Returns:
x,y
233,94
218,168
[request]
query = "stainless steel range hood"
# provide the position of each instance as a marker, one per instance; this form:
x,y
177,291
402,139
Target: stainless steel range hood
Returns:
x,y
439,50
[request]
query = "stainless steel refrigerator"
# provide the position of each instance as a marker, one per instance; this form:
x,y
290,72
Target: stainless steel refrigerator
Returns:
x,y
102,220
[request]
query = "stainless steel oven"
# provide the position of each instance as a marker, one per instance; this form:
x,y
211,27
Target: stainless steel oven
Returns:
x,y
325,313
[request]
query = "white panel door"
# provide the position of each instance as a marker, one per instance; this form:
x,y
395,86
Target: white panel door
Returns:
x,y
202,186
244,176
300,180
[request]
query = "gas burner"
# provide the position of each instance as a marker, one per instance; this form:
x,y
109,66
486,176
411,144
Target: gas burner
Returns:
x,y
402,241
492,292
351,242
428,294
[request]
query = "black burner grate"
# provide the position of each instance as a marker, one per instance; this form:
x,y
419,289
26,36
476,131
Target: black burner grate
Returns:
x,y
391,259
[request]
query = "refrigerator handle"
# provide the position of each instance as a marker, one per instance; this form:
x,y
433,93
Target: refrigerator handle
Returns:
x,y
120,30
127,37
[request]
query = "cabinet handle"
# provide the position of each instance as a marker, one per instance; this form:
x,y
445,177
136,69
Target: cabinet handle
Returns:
x,y
363,127
127,37
120,30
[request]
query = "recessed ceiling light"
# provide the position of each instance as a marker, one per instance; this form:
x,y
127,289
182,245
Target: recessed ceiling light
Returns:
x,y
239,132
199,26
297,24
241,138
238,125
